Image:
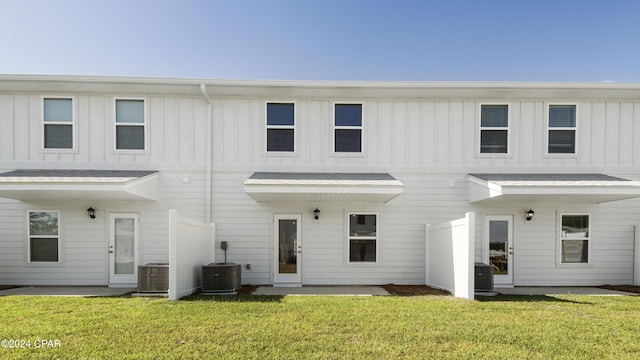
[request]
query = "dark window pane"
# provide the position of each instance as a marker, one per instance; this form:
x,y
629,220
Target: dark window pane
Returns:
x,y
130,111
280,114
44,249
130,137
348,115
494,116
362,250
58,136
575,251
58,110
348,140
280,140
562,141
493,141
43,223
362,225
562,115
575,225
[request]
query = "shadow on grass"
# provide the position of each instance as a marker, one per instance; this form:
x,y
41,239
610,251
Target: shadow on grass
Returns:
x,y
234,298
527,298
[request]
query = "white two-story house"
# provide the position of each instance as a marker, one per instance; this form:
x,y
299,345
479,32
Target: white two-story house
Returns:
x,y
317,183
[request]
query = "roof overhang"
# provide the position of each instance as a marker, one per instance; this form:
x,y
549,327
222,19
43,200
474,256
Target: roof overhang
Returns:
x,y
267,187
536,188
43,185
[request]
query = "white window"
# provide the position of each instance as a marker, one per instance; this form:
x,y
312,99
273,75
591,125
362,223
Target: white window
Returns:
x,y
130,124
574,238
281,127
494,129
44,236
363,238
57,119
347,127
561,135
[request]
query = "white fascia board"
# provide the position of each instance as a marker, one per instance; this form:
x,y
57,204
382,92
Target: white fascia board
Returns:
x,y
144,188
321,189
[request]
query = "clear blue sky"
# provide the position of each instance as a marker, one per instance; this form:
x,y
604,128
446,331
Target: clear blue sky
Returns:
x,y
480,40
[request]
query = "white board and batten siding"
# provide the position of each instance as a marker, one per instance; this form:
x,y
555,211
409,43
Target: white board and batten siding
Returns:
x,y
175,145
176,131
429,134
428,143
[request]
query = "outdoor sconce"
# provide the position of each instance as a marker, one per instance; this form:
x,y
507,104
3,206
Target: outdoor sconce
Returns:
x,y
530,214
91,212
316,214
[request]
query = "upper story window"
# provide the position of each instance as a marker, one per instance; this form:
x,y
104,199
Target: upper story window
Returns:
x,y
575,238
44,236
281,127
130,123
363,238
494,129
562,129
348,128
57,118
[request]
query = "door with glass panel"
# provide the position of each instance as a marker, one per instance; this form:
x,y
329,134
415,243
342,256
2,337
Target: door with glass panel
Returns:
x,y
123,248
498,240
288,249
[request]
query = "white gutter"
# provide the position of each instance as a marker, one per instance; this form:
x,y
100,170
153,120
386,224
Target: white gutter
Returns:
x,y
209,181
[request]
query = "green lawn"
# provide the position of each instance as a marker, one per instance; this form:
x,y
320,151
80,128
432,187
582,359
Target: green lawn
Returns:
x,y
253,327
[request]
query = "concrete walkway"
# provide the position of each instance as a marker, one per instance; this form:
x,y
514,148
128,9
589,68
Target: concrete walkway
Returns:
x,y
577,290
322,290
78,291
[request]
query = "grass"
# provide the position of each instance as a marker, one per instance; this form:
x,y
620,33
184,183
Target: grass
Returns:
x,y
254,327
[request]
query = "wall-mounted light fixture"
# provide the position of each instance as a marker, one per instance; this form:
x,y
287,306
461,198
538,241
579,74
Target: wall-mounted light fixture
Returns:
x,y
316,214
530,214
91,212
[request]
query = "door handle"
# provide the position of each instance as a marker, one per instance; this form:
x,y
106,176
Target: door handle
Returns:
x,y
110,251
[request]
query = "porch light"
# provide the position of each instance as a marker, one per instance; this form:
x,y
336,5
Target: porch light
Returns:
x,y
91,212
316,214
530,214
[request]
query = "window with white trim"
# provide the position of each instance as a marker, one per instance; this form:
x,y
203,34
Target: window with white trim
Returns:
x,y
347,127
363,238
130,124
575,238
281,127
44,236
494,129
57,119
561,137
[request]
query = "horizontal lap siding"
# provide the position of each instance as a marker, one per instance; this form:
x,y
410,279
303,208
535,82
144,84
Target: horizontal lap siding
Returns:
x,y
535,243
247,227
84,240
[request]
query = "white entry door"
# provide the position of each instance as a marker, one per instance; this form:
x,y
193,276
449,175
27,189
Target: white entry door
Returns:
x,y
123,249
288,250
498,240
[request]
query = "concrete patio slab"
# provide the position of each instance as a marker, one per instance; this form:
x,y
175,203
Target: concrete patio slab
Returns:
x,y
577,290
322,291
78,291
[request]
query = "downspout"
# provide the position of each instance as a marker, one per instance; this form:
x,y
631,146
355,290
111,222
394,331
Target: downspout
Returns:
x,y
209,181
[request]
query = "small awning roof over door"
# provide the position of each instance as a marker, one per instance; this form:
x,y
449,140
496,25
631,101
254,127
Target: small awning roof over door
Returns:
x,y
561,188
40,185
322,187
